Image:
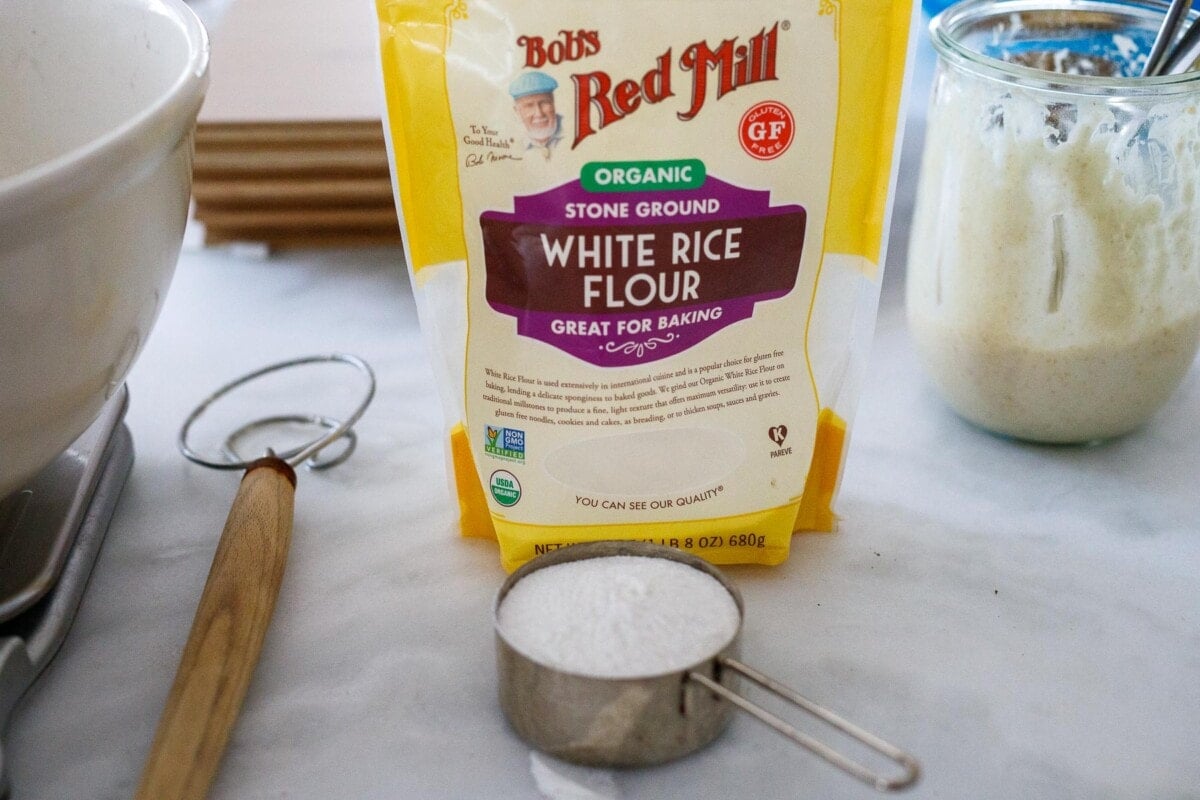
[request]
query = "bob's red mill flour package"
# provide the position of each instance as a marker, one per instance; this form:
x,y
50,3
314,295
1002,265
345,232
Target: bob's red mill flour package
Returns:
x,y
645,240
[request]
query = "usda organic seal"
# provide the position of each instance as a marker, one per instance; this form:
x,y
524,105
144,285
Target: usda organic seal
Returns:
x,y
506,489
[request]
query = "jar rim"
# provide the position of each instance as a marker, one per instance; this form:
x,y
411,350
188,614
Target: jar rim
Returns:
x,y
946,28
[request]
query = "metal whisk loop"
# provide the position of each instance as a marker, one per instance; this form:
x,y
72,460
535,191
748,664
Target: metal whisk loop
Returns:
x,y
912,770
230,446
307,452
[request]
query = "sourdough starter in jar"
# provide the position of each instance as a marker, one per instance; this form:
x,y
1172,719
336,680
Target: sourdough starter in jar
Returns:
x,y
1054,270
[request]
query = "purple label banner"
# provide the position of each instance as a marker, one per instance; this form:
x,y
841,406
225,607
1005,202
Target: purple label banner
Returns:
x,y
625,340
649,276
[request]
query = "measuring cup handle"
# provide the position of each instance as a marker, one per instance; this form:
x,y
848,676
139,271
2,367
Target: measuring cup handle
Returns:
x,y
226,636
909,764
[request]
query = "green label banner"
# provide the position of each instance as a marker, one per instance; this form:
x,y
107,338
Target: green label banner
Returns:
x,y
642,176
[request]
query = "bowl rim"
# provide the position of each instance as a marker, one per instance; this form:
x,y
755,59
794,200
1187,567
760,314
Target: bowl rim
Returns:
x,y
72,171
945,29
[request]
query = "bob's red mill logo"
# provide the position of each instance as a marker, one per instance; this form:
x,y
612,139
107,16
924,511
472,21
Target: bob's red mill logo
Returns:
x,y
601,99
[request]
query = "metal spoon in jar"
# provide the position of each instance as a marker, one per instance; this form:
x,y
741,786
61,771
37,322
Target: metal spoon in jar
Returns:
x,y
1183,56
1174,20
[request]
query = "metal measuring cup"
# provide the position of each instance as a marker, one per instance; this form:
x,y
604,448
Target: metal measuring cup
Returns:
x,y
642,721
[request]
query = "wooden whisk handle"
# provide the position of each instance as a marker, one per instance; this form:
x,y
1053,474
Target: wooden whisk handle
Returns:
x,y
226,637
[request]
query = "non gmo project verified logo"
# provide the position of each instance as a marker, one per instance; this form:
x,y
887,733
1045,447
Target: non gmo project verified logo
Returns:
x,y
506,443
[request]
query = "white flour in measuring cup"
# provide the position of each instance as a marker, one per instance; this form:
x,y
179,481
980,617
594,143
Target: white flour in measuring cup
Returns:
x,y
618,616
645,244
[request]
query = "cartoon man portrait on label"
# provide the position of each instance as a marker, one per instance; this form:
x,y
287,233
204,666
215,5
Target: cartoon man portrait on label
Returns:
x,y
533,101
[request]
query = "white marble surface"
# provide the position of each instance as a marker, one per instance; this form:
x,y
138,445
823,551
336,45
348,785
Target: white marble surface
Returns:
x,y
1025,620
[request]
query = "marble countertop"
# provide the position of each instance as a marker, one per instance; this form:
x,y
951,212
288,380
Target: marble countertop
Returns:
x,y
1023,619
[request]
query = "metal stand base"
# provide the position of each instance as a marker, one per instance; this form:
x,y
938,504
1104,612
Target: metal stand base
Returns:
x,y
50,536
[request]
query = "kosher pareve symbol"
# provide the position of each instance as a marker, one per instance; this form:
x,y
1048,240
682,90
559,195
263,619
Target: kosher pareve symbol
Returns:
x,y
777,434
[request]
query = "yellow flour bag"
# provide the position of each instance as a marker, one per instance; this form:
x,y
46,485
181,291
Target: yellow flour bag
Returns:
x,y
645,240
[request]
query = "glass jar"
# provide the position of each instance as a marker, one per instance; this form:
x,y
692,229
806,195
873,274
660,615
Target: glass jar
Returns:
x,y
1053,287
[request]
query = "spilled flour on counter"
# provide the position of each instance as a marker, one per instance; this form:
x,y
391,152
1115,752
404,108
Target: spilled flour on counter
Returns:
x,y
558,780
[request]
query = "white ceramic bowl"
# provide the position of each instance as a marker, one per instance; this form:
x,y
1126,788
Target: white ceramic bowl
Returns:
x,y
98,103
